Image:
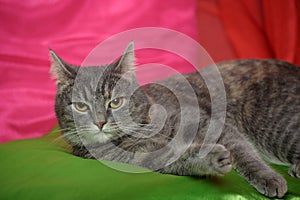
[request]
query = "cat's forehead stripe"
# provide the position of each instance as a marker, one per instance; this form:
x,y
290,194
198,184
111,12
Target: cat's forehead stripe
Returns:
x,y
108,84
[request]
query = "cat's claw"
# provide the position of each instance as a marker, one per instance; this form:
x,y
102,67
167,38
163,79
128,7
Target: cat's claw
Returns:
x,y
221,160
271,185
294,170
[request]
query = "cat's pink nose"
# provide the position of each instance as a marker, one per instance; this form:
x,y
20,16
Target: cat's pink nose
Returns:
x,y
101,124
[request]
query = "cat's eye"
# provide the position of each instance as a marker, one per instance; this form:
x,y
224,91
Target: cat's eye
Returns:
x,y
82,107
116,103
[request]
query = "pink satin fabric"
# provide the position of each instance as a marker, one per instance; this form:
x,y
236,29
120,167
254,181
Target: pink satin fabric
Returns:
x,y
72,29
227,30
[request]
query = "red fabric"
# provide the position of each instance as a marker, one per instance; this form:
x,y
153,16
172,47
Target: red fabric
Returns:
x,y
72,29
232,29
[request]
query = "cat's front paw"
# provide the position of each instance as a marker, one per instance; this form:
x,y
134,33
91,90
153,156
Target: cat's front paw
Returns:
x,y
294,170
220,160
270,184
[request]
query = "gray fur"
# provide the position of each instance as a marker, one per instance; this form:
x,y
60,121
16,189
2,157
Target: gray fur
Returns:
x,y
262,120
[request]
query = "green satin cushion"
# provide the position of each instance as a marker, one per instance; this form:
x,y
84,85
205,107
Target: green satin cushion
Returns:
x,y
43,168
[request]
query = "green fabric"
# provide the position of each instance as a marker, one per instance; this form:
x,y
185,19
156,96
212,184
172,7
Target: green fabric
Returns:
x,y
43,168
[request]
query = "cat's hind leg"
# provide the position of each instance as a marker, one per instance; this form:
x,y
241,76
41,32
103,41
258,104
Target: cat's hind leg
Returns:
x,y
248,163
293,156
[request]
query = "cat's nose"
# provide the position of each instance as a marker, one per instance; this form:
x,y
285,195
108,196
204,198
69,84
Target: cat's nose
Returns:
x,y
101,124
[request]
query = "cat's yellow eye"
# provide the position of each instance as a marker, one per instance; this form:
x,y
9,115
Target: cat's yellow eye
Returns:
x,y
82,107
116,103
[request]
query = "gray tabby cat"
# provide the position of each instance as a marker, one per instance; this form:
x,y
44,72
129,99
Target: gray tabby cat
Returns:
x,y
262,120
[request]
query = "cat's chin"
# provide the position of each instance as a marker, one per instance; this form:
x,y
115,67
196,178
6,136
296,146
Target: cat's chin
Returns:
x,y
96,138
102,138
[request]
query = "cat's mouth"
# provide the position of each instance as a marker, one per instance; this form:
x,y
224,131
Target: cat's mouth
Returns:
x,y
103,135
93,135
99,137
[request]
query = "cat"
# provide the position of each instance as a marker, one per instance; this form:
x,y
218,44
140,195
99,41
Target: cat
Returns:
x,y
103,120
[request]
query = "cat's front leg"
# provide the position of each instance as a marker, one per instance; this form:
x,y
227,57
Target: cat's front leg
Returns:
x,y
247,162
216,162
81,151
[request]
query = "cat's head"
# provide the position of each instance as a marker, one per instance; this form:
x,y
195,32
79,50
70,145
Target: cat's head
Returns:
x,y
100,103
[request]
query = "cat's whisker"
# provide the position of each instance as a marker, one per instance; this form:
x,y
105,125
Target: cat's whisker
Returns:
x,y
65,134
72,133
60,130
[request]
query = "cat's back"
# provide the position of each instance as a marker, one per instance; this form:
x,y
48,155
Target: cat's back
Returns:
x,y
264,99
254,71
265,83
259,86
245,81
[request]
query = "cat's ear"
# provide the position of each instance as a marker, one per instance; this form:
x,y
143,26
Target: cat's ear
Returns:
x,y
60,70
127,61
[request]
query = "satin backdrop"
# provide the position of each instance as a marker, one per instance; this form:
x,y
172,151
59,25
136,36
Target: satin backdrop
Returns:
x,y
72,29
228,29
